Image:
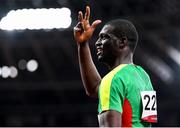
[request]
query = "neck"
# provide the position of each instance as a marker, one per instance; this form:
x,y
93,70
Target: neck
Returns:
x,y
126,59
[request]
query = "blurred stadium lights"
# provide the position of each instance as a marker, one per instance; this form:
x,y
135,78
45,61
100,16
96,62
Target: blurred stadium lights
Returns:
x,y
160,68
174,54
12,71
6,72
22,64
32,65
36,19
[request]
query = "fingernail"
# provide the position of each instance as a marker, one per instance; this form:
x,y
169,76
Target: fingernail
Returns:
x,y
99,21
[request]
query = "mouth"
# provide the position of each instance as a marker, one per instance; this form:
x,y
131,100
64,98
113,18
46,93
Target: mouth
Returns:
x,y
99,50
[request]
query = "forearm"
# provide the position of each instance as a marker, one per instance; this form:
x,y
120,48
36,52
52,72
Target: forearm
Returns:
x,y
89,74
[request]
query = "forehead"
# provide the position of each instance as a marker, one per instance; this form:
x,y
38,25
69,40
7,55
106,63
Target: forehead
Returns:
x,y
107,29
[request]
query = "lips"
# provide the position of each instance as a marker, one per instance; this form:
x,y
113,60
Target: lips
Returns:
x,y
99,50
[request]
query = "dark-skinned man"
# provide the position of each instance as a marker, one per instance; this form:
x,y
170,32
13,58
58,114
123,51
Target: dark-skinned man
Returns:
x,y
126,96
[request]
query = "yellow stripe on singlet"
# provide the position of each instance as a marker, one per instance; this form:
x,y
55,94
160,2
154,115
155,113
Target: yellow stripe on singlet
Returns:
x,y
105,87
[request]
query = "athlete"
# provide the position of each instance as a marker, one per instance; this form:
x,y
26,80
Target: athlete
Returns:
x,y
126,96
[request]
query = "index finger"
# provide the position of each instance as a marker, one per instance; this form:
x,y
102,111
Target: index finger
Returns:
x,y
87,14
80,16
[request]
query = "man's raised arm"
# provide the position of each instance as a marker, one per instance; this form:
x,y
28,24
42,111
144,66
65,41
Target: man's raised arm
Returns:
x,y
82,33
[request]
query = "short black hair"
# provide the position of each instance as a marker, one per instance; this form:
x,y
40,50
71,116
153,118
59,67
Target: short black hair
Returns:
x,y
121,28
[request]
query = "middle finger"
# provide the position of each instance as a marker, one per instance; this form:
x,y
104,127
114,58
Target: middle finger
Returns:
x,y
87,14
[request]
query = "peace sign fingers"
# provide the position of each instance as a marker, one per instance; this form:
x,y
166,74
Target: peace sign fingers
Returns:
x,y
80,16
87,14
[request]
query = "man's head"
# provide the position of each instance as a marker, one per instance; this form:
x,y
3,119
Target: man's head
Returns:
x,y
116,36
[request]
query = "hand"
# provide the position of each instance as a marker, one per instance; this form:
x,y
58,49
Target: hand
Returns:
x,y
83,30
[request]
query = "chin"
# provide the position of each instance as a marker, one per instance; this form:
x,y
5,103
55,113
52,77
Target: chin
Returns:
x,y
100,59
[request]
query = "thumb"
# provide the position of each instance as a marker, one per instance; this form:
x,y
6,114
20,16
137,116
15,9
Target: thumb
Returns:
x,y
95,24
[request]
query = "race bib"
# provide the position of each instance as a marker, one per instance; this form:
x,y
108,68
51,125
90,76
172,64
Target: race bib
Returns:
x,y
149,112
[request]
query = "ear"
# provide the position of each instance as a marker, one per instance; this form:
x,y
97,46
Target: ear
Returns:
x,y
123,42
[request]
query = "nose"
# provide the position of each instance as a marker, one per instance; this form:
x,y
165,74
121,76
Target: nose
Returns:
x,y
98,43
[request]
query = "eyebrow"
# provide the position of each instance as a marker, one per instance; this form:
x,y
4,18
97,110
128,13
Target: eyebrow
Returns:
x,y
101,34
104,34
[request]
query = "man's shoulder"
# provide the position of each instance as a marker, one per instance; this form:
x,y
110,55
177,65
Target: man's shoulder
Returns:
x,y
115,71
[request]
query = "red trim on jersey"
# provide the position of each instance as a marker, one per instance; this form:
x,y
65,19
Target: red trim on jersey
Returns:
x,y
151,119
127,114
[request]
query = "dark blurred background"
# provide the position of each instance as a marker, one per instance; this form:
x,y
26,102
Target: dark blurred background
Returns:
x,y
53,95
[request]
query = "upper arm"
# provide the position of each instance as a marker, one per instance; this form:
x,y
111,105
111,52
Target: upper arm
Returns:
x,y
94,92
111,97
110,118
111,103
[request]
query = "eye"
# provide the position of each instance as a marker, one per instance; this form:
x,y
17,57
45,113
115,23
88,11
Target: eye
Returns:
x,y
104,36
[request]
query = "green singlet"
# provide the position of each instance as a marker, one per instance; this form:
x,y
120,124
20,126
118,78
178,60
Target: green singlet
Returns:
x,y
120,90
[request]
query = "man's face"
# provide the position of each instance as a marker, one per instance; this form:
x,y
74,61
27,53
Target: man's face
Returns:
x,y
107,44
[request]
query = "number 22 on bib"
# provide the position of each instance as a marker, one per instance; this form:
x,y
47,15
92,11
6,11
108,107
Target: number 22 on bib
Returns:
x,y
149,112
